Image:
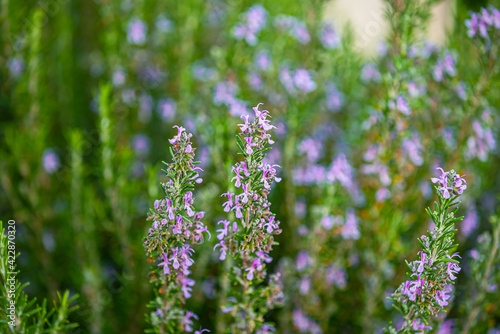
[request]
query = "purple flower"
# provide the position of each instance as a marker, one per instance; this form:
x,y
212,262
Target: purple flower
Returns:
x,y
481,142
340,170
328,221
333,97
472,24
350,228
300,33
312,148
284,22
449,183
165,264
187,284
369,72
255,81
444,65
141,144
470,222
16,67
255,21
412,148
442,296
263,60
163,24
329,37
303,260
50,161
166,109
256,17
286,79
224,93
382,194
203,73
119,77
188,323
304,286
302,80
137,32
400,105
304,324
336,276
266,329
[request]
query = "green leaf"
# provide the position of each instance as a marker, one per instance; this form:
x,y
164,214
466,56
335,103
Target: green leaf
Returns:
x,y
240,143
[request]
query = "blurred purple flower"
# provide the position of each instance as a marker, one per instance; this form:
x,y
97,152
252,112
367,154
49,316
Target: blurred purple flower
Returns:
x,y
224,93
163,24
119,77
50,161
286,79
312,148
412,148
254,22
401,105
263,60
336,276
480,143
350,228
140,143
203,73
333,97
16,67
300,33
304,286
329,221
303,260
470,222
369,72
302,80
329,37
255,81
137,31
382,194
166,109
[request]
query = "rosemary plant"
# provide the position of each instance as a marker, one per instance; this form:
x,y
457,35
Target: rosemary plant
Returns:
x,y
176,226
250,238
428,289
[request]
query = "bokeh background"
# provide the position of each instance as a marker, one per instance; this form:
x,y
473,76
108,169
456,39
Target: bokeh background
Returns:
x,y
386,90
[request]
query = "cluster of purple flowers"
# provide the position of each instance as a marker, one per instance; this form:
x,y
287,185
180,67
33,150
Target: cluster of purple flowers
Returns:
x,y
294,27
483,22
253,22
370,73
481,142
401,105
301,80
413,148
225,94
444,65
449,184
329,37
250,239
304,324
176,225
